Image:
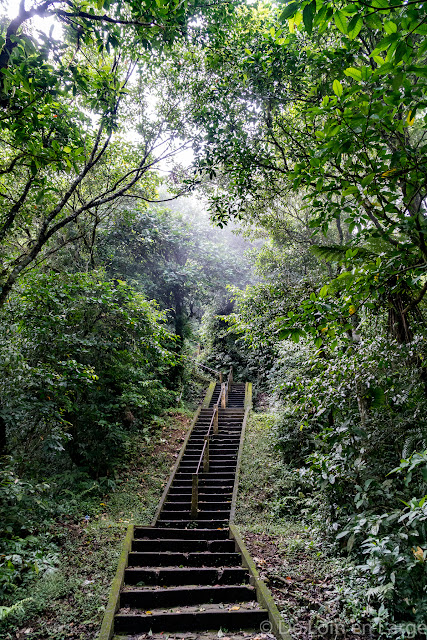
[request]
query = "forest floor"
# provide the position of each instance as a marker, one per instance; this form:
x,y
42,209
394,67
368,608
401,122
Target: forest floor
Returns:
x,y
307,580
69,602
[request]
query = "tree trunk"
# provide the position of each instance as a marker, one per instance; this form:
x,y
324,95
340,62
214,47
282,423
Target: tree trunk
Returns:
x,y
398,323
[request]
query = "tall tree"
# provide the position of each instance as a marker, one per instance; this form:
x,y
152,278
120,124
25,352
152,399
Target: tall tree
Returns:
x,y
63,104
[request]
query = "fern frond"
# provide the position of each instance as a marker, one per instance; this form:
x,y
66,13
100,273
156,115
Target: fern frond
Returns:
x,y
15,608
337,252
415,441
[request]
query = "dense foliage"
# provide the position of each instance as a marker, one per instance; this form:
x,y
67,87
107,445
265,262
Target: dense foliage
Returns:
x,y
307,124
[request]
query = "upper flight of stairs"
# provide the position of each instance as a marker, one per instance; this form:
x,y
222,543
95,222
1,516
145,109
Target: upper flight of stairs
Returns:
x,y
185,573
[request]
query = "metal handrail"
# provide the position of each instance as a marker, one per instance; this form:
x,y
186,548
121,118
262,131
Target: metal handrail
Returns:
x,y
204,366
204,456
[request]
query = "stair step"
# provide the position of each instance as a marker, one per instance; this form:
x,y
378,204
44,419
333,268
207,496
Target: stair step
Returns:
x,y
183,546
213,488
170,558
150,533
218,514
217,523
203,497
203,506
167,576
174,597
194,621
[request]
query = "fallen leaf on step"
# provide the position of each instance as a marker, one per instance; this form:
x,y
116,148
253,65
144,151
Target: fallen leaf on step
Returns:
x,y
234,608
148,613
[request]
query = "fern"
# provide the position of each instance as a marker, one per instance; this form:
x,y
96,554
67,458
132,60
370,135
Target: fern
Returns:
x,y
337,252
15,608
415,441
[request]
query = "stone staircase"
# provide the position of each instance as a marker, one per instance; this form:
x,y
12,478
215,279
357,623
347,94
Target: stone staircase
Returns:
x,y
184,573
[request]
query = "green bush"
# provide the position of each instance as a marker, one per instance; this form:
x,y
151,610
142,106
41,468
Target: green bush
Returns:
x,y
83,361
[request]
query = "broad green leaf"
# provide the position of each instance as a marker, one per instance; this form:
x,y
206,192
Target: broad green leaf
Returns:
x,y
354,27
289,11
298,18
356,74
307,16
401,50
295,336
390,27
350,190
381,4
380,61
385,43
323,291
67,149
340,21
368,179
337,88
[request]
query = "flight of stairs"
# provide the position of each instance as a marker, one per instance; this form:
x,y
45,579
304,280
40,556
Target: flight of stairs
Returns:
x,y
185,574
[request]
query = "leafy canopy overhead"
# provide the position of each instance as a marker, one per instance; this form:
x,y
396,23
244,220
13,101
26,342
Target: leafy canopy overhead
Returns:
x,y
326,100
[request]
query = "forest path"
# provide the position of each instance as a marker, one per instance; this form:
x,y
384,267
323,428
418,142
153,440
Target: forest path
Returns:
x,y
189,572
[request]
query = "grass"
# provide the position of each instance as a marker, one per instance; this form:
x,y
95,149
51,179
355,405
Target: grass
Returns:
x,y
68,602
298,564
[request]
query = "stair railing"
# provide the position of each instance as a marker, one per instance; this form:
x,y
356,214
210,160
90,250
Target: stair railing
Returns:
x,y
217,374
204,456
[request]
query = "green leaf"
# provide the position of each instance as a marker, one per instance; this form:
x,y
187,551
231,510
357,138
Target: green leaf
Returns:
x,y
390,27
295,336
381,4
356,74
354,26
401,50
323,291
340,21
350,190
337,88
67,149
367,179
307,16
385,43
289,11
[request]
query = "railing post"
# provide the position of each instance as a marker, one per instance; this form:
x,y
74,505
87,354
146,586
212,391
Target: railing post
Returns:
x,y
220,377
215,422
206,456
223,400
230,375
194,496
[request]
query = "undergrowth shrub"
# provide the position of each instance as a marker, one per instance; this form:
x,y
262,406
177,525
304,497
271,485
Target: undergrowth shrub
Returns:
x,y
83,362
351,417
